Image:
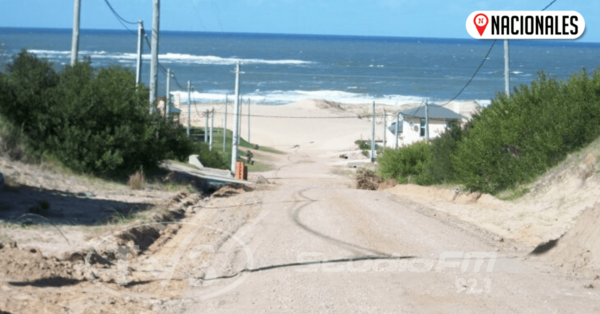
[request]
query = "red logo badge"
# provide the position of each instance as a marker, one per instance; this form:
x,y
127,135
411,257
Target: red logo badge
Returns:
x,y
481,22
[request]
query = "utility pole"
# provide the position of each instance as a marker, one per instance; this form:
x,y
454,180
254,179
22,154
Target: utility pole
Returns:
x,y
397,126
506,68
189,105
373,134
140,50
239,134
154,54
206,118
248,121
212,122
236,107
75,40
168,100
427,120
384,128
225,125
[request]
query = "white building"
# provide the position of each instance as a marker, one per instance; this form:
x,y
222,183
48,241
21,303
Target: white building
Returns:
x,y
411,127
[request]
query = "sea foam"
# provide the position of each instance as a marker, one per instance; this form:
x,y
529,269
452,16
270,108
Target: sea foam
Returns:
x,y
167,58
279,97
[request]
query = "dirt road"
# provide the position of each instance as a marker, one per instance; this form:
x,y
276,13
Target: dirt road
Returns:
x,y
377,254
310,243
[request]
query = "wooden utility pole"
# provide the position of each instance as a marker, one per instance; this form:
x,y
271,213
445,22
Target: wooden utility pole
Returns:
x,y
154,54
506,68
168,95
373,134
236,109
397,126
206,118
225,125
241,110
140,50
248,139
212,121
384,127
427,120
75,39
189,107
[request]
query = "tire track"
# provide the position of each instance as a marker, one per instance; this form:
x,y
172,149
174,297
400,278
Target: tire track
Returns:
x,y
295,215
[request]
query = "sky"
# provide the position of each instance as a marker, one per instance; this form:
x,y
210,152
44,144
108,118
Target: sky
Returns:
x,y
396,18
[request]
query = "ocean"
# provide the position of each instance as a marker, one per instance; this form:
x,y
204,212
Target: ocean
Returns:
x,y
280,69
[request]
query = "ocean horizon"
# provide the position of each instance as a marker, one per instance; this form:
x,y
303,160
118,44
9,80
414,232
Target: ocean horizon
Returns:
x,y
284,68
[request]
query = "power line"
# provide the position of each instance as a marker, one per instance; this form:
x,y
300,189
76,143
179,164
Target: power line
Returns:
x,y
177,82
474,74
551,3
120,19
482,62
117,14
296,117
161,67
198,14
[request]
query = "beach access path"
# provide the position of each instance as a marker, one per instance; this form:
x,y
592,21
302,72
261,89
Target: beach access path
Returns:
x,y
318,245
306,242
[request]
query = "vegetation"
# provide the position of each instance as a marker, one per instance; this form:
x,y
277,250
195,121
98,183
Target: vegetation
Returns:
x,y
365,146
441,168
516,139
13,143
367,180
406,165
218,141
510,142
218,156
91,120
137,181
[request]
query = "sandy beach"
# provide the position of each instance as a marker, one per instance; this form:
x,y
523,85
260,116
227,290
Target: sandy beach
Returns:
x,y
315,125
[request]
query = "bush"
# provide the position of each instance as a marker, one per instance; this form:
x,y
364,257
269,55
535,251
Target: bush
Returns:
x,y
517,138
91,120
364,146
212,159
407,164
441,169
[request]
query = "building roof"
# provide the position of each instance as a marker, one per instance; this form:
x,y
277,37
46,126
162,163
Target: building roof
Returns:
x,y
435,112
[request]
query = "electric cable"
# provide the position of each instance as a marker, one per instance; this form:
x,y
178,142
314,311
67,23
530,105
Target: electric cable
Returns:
x,y
474,74
551,3
120,18
481,65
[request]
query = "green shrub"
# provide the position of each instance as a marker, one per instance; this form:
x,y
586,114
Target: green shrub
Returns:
x,y
406,164
92,120
441,169
212,159
517,138
363,145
